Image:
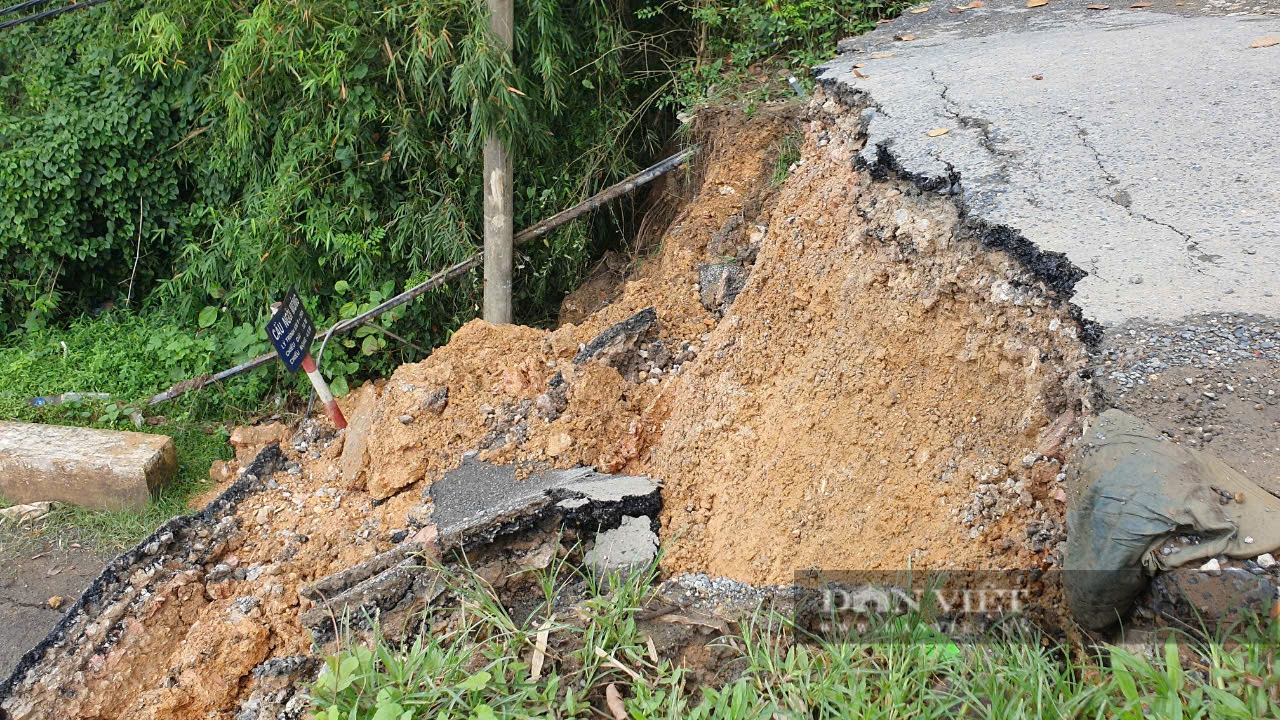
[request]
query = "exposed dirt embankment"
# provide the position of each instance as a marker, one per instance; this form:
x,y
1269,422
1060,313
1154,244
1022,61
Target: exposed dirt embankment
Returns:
x,y
828,376
878,381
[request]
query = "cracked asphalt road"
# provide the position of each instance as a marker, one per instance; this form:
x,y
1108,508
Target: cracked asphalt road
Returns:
x,y
1143,144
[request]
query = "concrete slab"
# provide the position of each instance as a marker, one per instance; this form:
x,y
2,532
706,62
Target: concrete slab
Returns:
x,y
103,469
1140,146
479,501
632,544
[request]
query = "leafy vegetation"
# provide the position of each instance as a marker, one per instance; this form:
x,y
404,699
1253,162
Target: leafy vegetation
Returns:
x,y
191,153
126,356
167,169
235,149
476,663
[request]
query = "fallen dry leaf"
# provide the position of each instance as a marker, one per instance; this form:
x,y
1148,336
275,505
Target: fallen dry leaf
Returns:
x,y
653,651
56,601
613,662
1265,42
917,11
1037,77
1098,7
938,132
613,699
971,6
1037,3
882,56
858,74
540,650
906,38
1140,5
859,65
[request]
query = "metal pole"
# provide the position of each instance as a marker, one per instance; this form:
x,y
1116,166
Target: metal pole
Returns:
x,y
629,185
498,222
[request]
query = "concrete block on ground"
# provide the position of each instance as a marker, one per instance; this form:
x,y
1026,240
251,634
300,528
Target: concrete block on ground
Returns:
x,y
103,469
631,545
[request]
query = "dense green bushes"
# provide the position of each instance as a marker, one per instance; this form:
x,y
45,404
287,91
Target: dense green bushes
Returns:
x,y
196,157
291,142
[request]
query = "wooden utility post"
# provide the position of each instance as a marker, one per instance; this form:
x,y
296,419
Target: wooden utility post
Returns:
x,y
498,221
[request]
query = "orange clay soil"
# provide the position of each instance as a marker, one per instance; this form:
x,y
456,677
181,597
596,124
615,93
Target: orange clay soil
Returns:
x,y
870,399
873,373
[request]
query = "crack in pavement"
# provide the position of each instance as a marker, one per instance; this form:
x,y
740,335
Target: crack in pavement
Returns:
x,y
14,602
1005,159
1192,247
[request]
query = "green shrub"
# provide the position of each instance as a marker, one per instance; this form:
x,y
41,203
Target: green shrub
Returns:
x,y
243,148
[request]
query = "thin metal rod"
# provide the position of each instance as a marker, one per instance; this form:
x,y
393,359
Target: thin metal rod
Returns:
x,y
22,6
629,185
50,13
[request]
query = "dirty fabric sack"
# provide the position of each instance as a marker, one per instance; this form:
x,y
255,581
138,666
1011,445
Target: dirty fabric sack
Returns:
x,y
1129,491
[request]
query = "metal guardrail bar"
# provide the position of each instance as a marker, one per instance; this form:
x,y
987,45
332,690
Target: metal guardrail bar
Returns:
x,y
617,190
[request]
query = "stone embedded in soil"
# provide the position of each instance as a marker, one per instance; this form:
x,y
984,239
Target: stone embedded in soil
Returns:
x,y
436,401
248,440
719,284
631,545
618,344
102,469
355,448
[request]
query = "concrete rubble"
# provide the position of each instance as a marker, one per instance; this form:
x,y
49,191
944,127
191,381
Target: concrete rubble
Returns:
x,y
463,514
633,544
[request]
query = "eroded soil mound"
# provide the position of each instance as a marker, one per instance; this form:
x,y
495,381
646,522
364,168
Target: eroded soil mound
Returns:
x,y
820,371
877,396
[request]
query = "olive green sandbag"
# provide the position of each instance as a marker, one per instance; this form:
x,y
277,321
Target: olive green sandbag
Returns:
x,y
1129,490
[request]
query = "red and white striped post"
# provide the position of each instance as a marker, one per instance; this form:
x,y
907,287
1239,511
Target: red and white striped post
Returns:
x,y
322,390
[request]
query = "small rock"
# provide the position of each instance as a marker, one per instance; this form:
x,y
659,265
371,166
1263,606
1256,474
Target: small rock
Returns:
x,y
1248,540
56,602
1212,567
1266,561
264,515
406,419
558,443
437,401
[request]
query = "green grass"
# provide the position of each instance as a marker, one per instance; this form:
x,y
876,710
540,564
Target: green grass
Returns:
x,y
131,357
788,153
475,663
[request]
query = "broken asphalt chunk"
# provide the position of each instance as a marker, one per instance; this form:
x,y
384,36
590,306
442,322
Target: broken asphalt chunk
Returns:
x,y
479,501
620,340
